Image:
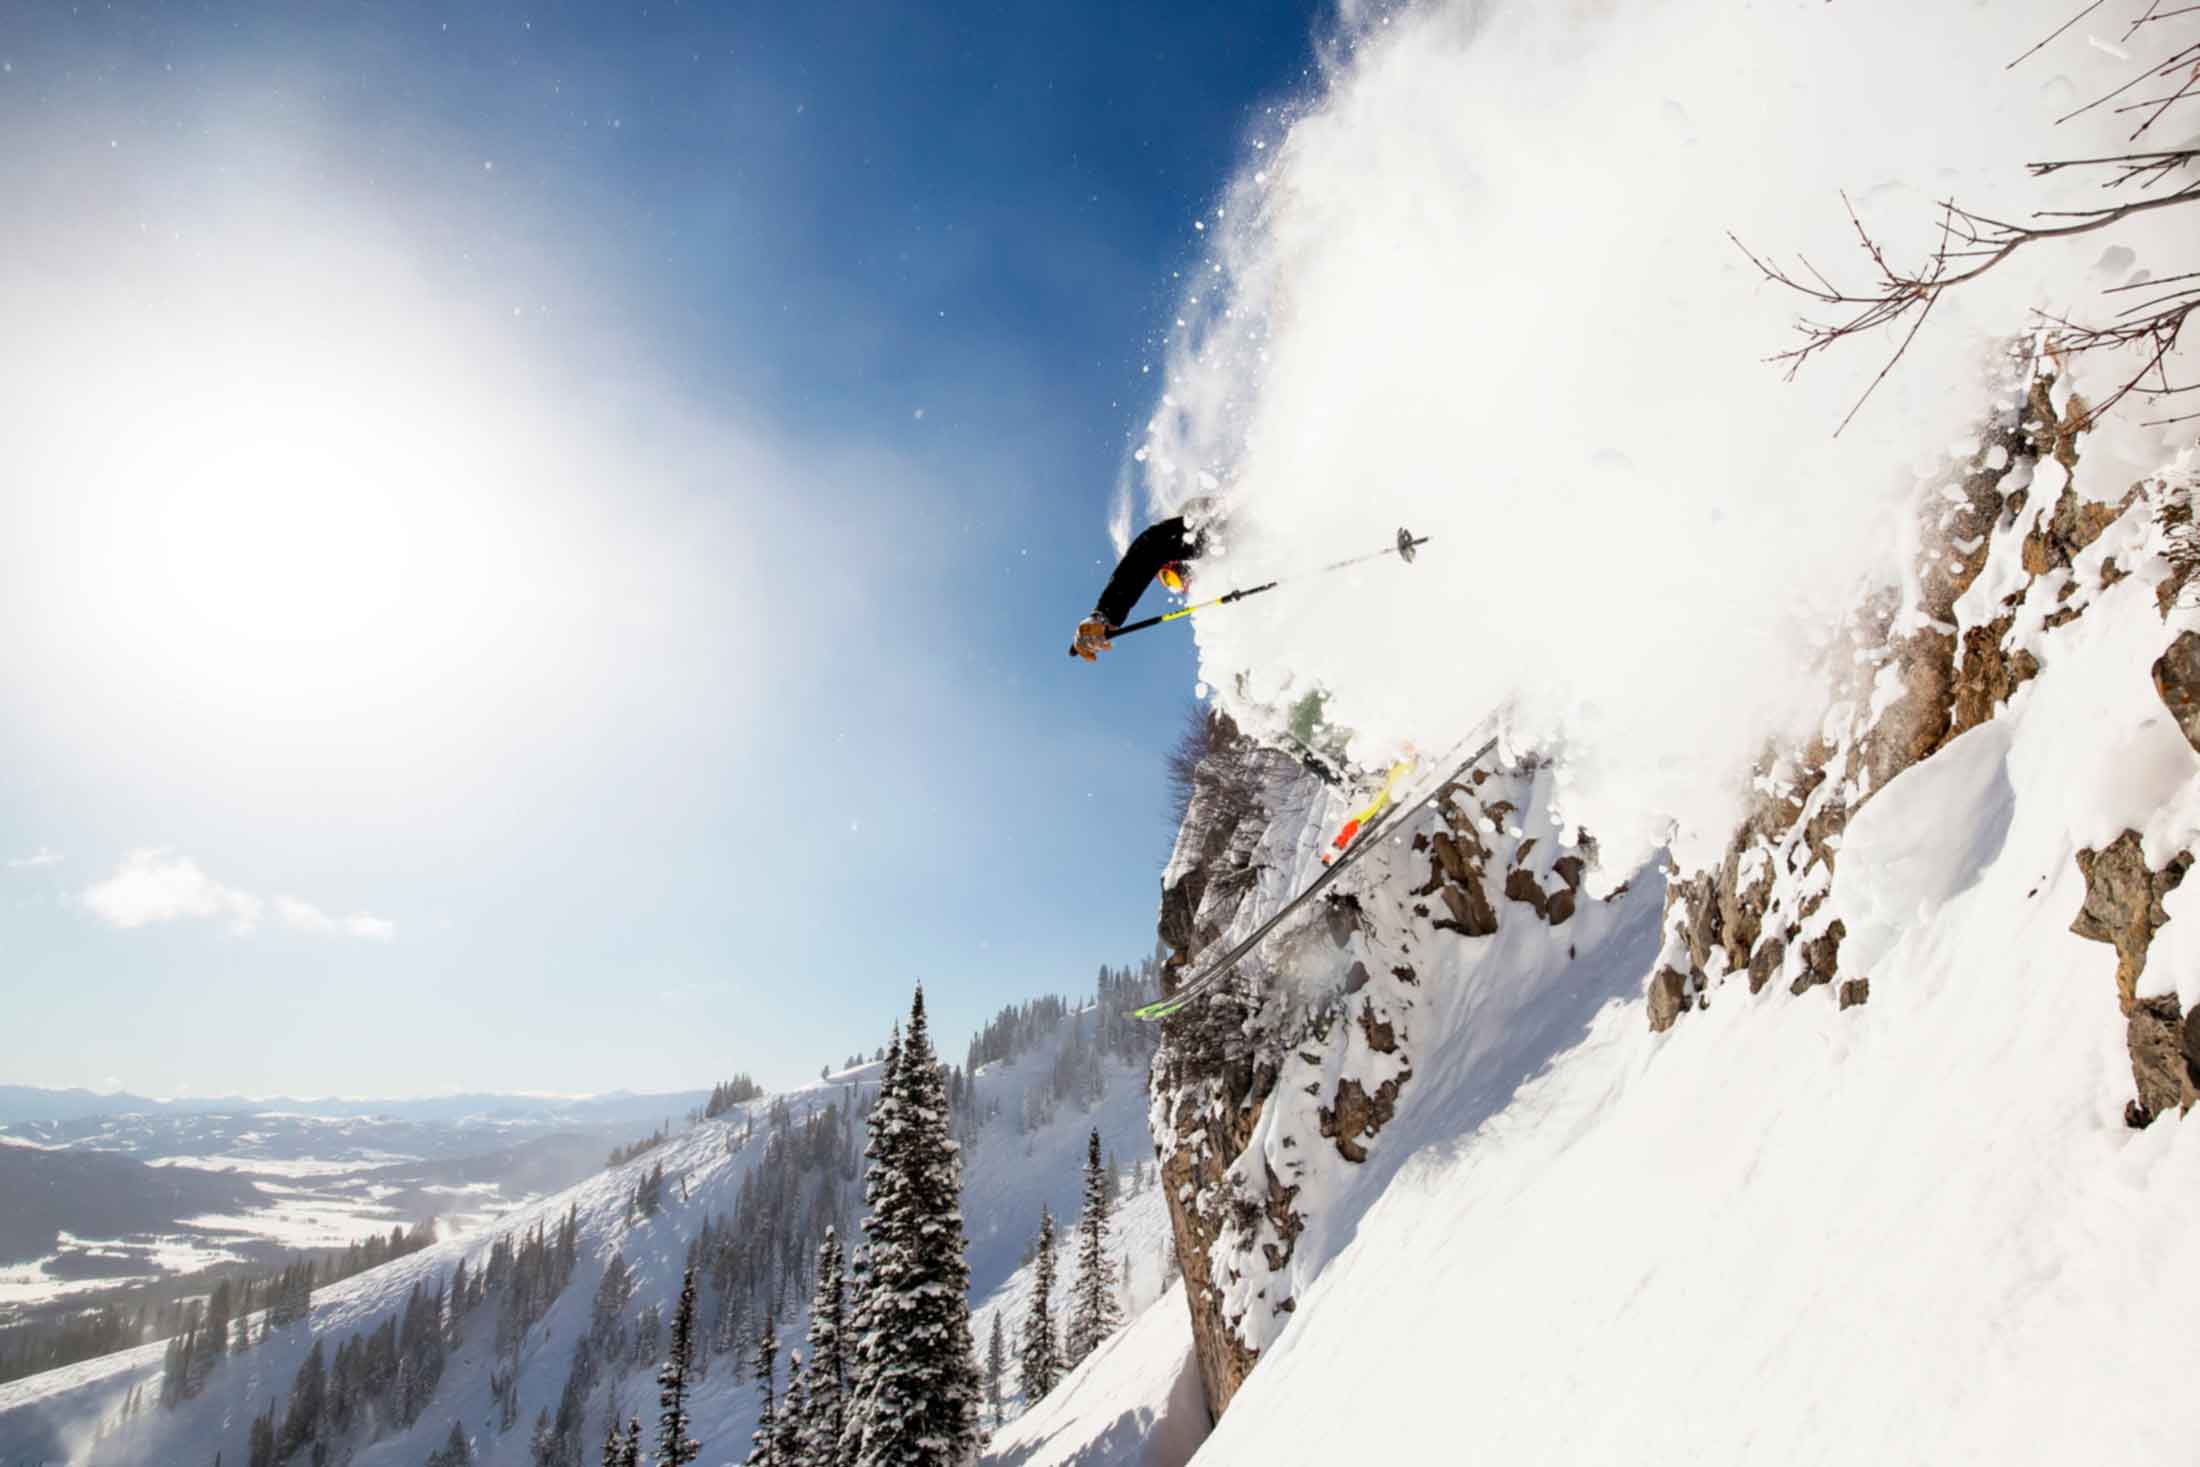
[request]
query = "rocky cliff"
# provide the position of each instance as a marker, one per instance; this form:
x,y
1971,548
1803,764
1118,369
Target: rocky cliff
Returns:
x,y
1482,937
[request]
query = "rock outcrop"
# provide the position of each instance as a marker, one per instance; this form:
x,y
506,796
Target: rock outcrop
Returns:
x,y
2165,1058
1998,570
2177,683
1277,1088
2123,905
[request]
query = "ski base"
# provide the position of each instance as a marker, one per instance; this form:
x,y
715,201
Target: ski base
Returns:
x,y
1367,840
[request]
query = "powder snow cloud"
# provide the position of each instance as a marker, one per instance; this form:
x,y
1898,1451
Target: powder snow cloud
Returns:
x,y
1482,287
152,885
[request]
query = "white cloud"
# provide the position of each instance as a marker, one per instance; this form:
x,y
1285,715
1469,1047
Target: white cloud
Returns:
x,y
41,857
153,886
306,917
156,886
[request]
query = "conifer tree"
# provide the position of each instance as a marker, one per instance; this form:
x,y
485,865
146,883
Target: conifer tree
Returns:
x,y
214,1338
793,1406
260,1440
1038,1364
863,1360
455,1452
308,1399
1093,1311
456,1323
825,1413
764,1448
674,1446
996,1365
920,1382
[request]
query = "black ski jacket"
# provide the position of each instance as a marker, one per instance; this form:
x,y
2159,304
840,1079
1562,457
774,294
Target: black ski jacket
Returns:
x,y
1155,547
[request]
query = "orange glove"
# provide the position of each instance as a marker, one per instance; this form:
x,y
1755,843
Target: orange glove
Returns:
x,y
1092,638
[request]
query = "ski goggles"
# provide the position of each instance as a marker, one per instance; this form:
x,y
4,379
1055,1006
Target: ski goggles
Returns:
x,y
1174,577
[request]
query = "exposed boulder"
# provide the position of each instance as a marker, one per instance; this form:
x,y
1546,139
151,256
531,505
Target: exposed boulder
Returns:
x,y
1699,896
1471,912
2177,682
1766,962
2123,905
1357,1114
2163,1065
1918,722
1381,1034
1744,887
1521,886
1821,957
1856,992
1456,857
1669,999
1987,675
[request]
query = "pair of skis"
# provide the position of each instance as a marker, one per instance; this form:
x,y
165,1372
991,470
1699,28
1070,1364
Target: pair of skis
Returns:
x,y
1394,818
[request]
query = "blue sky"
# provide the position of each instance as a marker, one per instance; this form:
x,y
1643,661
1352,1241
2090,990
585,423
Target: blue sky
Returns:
x,y
545,535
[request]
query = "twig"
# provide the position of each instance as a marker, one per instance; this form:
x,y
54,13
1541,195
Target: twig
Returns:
x,y
2066,25
1915,327
2169,102
2160,70
2143,19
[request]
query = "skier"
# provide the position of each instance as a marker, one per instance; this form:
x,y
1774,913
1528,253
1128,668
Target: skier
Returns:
x,y
1163,551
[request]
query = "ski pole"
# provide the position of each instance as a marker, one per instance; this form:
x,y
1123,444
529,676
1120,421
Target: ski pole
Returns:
x,y
1403,547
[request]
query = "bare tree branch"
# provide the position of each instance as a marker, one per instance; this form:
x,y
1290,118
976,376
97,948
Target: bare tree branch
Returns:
x,y
1970,244
2066,25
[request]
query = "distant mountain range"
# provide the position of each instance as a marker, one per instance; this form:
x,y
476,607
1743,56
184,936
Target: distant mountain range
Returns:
x,y
27,1104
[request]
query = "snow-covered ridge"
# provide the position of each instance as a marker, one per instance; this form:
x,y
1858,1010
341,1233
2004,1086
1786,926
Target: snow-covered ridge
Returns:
x,y
1024,1152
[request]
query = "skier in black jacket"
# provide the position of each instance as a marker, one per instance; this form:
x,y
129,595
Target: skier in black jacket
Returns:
x,y
1163,550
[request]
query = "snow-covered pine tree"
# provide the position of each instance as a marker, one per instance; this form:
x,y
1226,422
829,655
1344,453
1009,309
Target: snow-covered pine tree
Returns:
x,y
764,1448
922,1406
996,1366
1038,1364
260,1440
825,1412
308,1402
456,1452
863,1371
793,1406
1094,1313
674,1445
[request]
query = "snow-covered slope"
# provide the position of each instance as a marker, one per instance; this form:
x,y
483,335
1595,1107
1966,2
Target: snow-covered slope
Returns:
x,y
1860,1141
75,1415
1134,1403
1914,1230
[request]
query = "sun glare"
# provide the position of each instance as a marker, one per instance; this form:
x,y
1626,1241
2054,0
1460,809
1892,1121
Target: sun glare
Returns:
x,y
308,523
283,525
347,531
